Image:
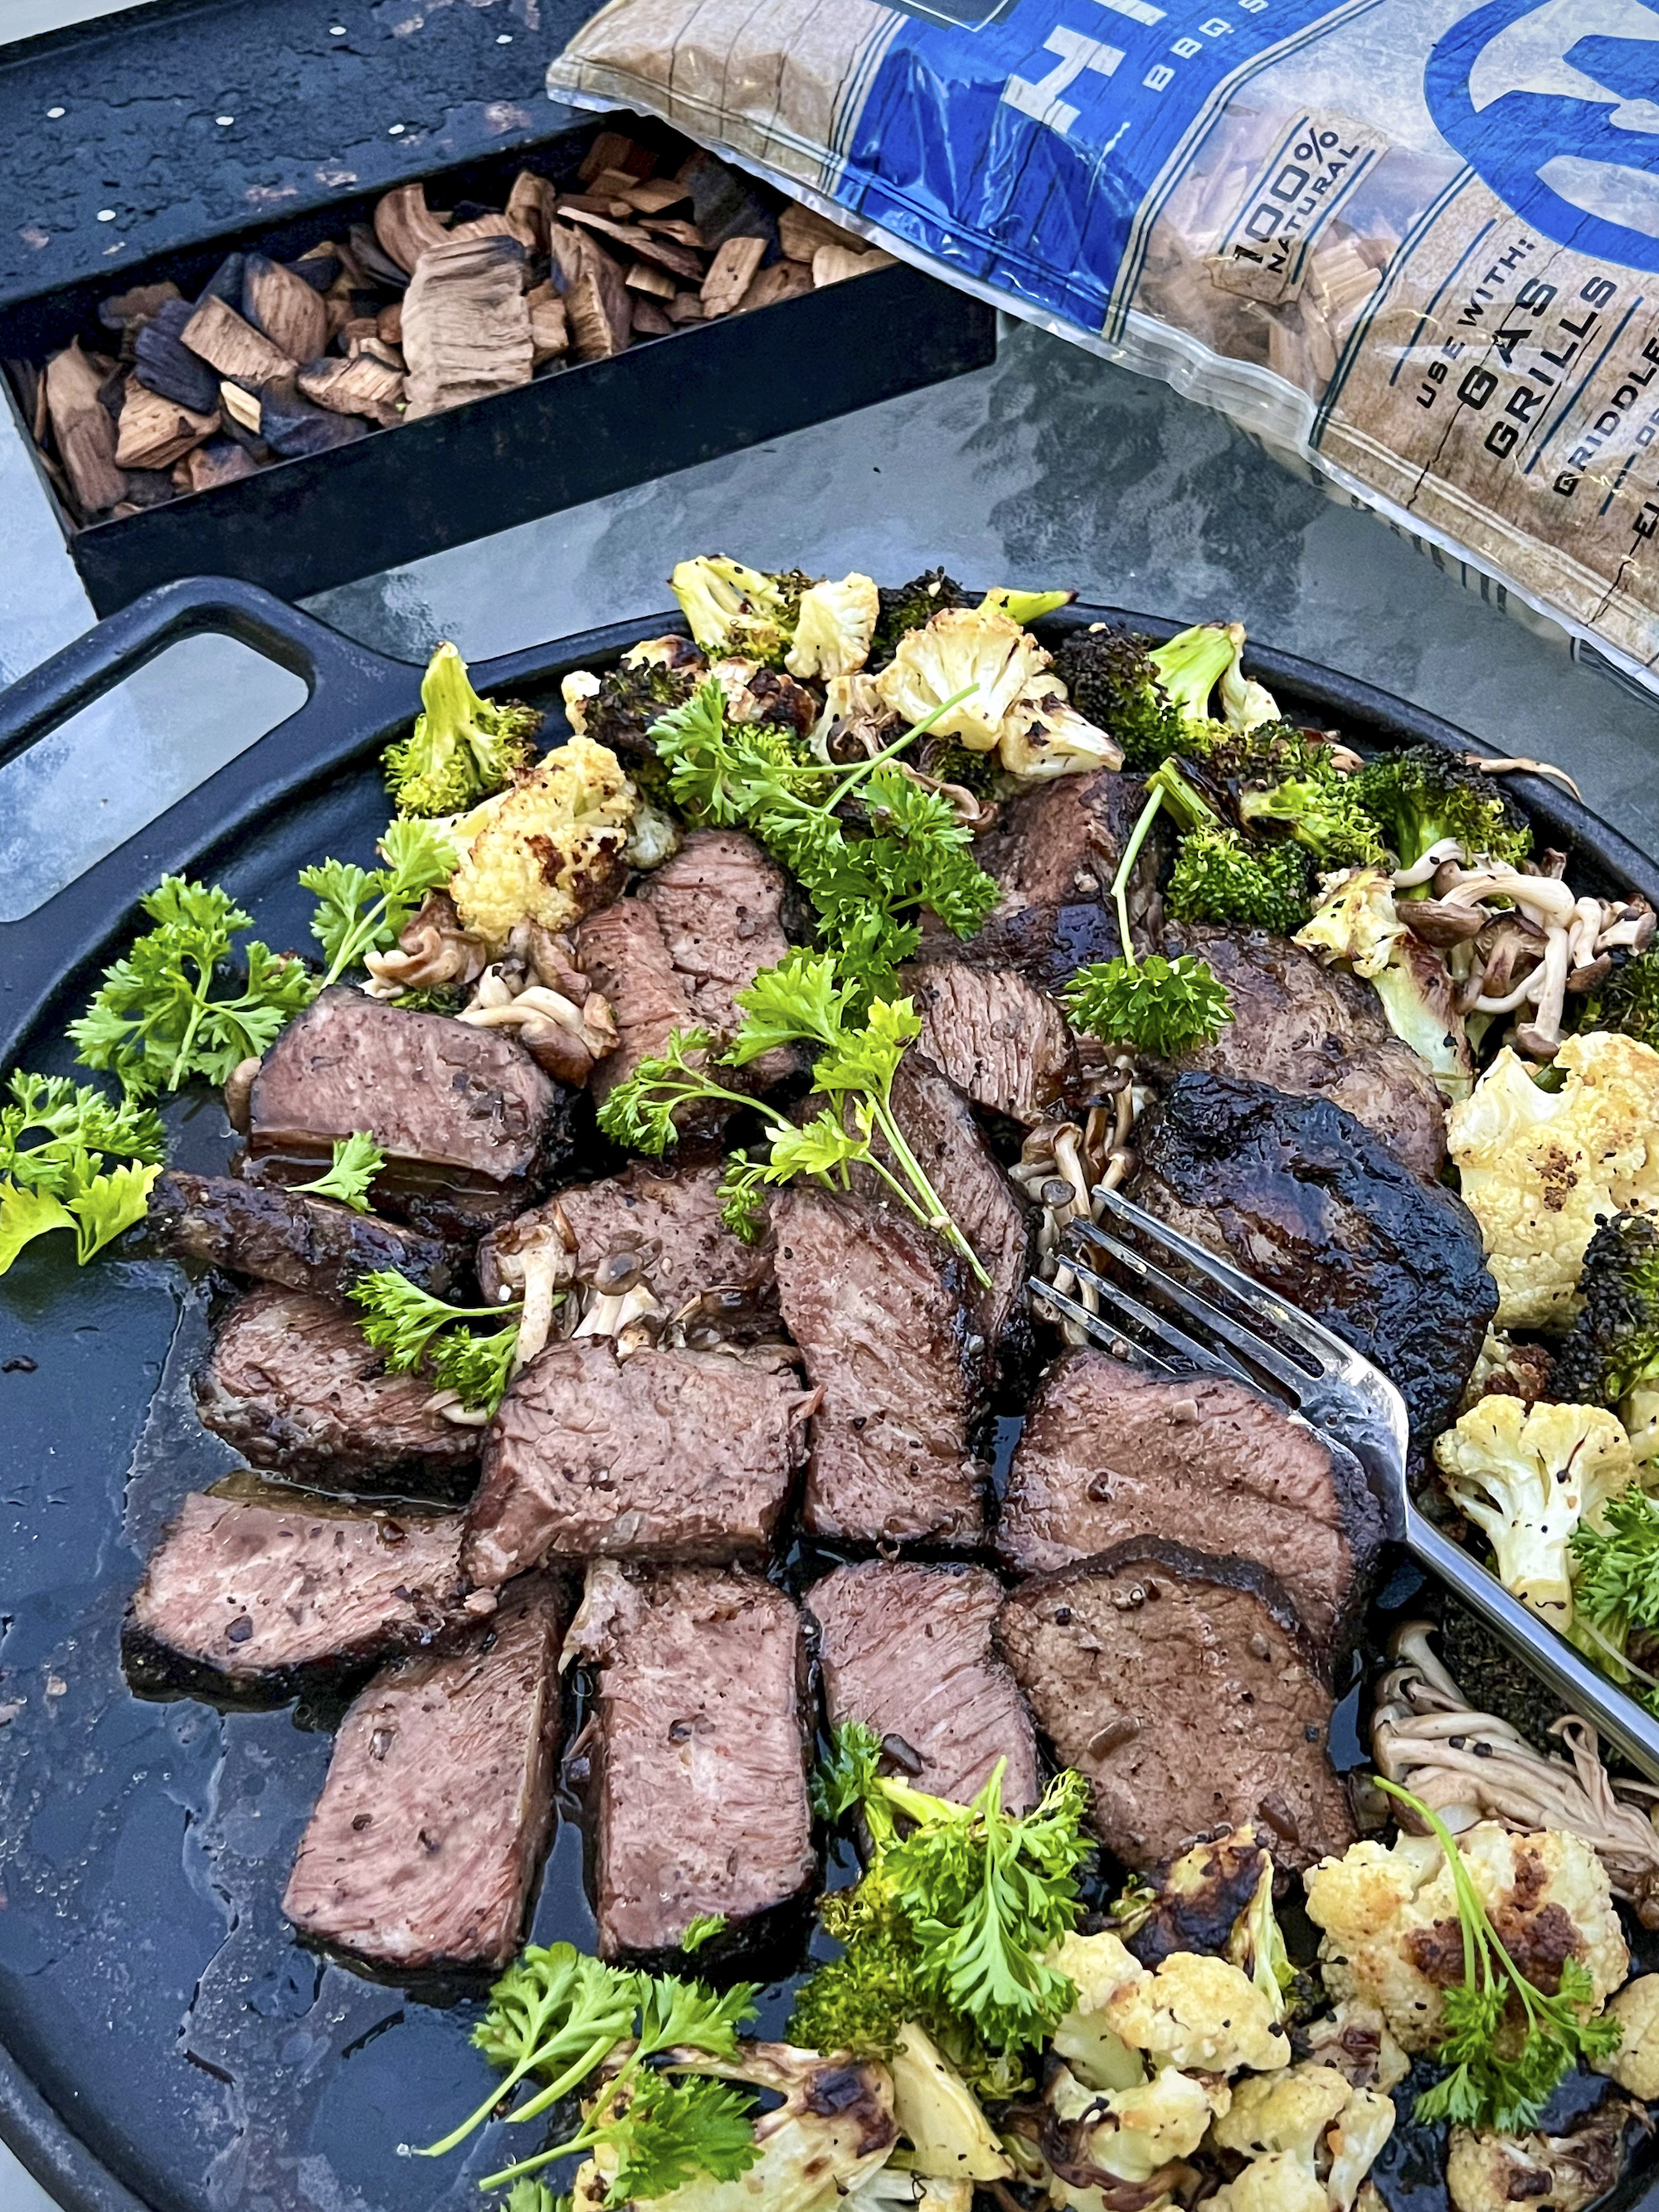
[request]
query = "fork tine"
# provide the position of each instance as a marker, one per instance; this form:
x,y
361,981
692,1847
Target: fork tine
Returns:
x,y
1202,1355
1114,1340
1308,1335
1295,1379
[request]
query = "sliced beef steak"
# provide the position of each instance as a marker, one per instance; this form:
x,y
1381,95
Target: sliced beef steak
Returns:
x,y
939,1128
700,1772
907,1649
671,956
304,1242
439,1799
253,1593
878,1308
469,1124
1302,1196
663,1455
1002,1042
1108,1454
292,1383
1319,1034
667,1216
1180,1686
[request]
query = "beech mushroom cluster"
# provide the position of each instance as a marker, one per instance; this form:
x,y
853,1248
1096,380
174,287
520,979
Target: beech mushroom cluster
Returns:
x,y
536,988
1061,1166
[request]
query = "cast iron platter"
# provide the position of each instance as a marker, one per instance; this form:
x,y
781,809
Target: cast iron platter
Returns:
x,y
165,2044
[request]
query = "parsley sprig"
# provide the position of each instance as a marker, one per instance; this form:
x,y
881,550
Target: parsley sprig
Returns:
x,y
417,1331
803,1001
161,1015
557,2015
71,1158
363,910
357,1160
1506,2043
1616,1566
913,856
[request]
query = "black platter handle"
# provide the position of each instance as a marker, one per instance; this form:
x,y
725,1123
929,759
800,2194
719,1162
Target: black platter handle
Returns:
x,y
354,697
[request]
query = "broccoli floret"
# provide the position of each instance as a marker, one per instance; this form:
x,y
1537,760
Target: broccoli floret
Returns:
x,y
1322,813
1423,795
1612,1347
630,697
1628,1000
911,606
462,747
1149,698
950,760
1217,877
737,610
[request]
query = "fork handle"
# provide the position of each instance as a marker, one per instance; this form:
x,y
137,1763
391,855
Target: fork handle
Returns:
x,y
1581,1686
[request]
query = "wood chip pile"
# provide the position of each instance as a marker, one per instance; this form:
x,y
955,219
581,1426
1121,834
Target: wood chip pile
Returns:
x,y
413,313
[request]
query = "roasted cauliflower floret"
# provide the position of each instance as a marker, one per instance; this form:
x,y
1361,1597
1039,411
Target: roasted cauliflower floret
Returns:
x,y
1388,1914
1354,2140
1131,2133
1527,1475
1280,2183
1202,2014
729,608
1356,2041
832,628
548,849
1287,2111
1044,735
1635,2065
1099,1968
1555,2174
1540,1167
976,649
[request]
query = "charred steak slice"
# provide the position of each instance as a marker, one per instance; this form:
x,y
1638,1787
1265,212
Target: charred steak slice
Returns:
x,y
662,1455
1002,1040
439,1798
1108,1454
907,1649
702,1766
671,956
1317,1033
939,1128
1180,1686
1302,1196
469,1124
878,1309
293,1384
668,1217
253,1593
304,1242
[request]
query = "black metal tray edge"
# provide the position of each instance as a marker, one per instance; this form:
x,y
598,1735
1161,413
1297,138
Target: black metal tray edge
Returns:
x,y
356,700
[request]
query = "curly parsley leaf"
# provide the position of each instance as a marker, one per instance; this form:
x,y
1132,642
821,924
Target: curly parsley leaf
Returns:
x,y
701,1931
357,1160
361,910
416,1330
71,1158
1157,1006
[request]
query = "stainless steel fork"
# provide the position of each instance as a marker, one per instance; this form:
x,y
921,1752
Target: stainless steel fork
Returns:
x,y
1296,1360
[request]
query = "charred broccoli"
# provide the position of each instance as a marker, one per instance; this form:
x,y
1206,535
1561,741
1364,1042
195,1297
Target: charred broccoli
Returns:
x,y
462,747
632,696
911,606
731,608
1320,810
1628,1000
1610,1356
1424,795
1148,698
1217,877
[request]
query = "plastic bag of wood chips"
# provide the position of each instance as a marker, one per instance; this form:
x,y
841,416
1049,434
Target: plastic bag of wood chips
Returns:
x,y
1415,243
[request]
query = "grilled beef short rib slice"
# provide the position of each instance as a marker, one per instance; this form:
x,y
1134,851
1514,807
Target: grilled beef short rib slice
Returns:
x,y
879,1310
426,1840
248,1596
1180,1685
666,1454
700,1775
1108,1454
1304,1198
907,1651
1317,1033
1002,1042
293,1385
470,1126
286,1237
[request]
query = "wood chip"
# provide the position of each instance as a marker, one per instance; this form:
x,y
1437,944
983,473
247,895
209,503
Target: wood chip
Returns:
x,y
293,425
655,194
389,323
284,307
649,320
221,337
801,232
597,303
566,246
642,277
152,433
363,385
684,307
530,206
606,204
490,225
466,326
614,149
81,424
731,273
376,348
357,332
616,182
405,226
340,300
240,406
833,264
683,234
784,280
138,305
678,258
218,463
550,326
166,365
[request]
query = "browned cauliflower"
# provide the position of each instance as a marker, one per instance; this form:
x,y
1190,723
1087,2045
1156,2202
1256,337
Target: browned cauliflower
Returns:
x,y
1635,2065
549,849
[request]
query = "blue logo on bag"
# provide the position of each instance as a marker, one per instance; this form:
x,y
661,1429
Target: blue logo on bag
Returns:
x,y
1551,103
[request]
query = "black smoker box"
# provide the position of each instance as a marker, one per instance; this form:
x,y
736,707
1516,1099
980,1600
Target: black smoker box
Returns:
x,y
150,144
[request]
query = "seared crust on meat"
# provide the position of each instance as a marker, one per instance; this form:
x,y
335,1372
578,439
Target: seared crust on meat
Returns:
x,y
288,1236
1002,1042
